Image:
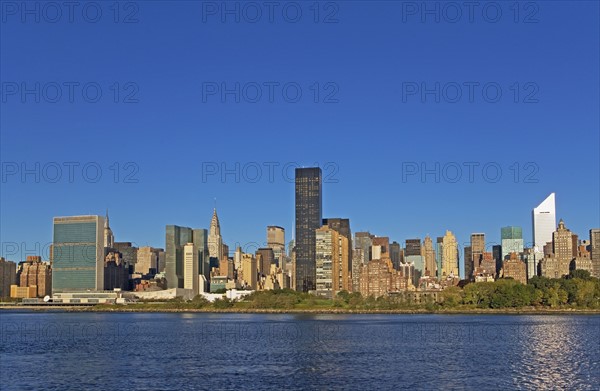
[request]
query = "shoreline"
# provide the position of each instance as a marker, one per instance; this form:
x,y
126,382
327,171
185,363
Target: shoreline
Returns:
x,y
324,311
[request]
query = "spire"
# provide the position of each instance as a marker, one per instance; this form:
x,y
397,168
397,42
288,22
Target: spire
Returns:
x,y
109,238
215,227
215,242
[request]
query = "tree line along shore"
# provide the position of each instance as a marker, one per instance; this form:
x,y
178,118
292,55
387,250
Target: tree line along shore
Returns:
x,y
576,293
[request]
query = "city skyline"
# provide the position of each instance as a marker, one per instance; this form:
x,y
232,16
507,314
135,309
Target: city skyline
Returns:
x,y
463,248
260,241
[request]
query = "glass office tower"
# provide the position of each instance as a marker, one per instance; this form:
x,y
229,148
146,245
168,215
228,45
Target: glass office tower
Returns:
x,y
308,220
512,241
78,254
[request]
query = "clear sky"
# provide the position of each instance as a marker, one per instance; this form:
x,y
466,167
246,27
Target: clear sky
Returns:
x,y
349,85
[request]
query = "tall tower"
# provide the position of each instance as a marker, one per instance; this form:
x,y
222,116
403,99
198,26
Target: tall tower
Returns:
x,y
474,254
562,243
176,239
308,219
215,242
191,278
512,241
544,222
333,268
450,255
439,259
429,252
344,260
78,254
595,251
109,238
276,241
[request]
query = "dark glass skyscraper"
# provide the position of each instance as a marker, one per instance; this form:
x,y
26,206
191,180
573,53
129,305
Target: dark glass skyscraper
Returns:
x,y
308,219
413,247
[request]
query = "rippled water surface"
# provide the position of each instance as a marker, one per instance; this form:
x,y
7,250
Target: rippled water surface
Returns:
x,y
135,351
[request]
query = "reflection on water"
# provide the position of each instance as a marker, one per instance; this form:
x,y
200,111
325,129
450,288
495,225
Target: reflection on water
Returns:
x,y
63,351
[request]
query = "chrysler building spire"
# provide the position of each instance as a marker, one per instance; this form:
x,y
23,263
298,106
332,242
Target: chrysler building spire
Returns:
x,y
215,241
109,239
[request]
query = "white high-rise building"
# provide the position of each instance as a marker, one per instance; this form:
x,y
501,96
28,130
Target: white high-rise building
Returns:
x,y
190,268
544,224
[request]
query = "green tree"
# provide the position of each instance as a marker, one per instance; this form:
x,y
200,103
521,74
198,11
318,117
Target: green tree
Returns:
x,y
452,296
537,298
585,290
478,294
581,274
355,299
343,296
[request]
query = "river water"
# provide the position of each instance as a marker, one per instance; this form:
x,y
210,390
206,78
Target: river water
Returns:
x,y
189,351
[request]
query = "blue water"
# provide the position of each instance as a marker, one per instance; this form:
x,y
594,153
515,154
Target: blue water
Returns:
x,y
154,351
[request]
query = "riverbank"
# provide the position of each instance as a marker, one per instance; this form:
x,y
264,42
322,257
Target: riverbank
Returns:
x,y
341,311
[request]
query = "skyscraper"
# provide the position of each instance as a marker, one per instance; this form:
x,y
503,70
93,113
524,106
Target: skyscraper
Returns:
x,y
215,241
412,247
308,220
128,252
512,241
344,259
333,268
265,257
469,264
395,251
414,254
276,241
78,254
248,271
429,253
176,239
364,241
595,251
450,255
562,243
529,259
326,250
291,245
357,263
147,260
544,222
190,268
497,256
476,250
439,259
8,276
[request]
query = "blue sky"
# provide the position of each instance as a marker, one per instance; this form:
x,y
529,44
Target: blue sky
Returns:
x,y
161,110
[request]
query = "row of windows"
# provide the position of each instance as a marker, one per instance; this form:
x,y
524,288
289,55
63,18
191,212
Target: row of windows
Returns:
x,y
74,256
75,232
74,279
